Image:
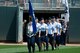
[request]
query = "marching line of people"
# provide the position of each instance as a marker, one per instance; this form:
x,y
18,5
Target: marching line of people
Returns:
x,y
49,32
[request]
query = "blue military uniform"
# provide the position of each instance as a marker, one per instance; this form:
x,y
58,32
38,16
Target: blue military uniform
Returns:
x,y
63,33
44,37
55,32
37,38
54,23
59,27
30,38
50,34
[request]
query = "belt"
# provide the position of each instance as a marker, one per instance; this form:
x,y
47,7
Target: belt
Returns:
x,y
43,33
30,35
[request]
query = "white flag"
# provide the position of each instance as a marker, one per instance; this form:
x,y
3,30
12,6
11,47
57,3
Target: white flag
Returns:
x,y
65,3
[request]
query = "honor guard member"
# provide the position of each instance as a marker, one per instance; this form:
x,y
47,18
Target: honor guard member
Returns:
x,y
37,37
54,23
63,33
43,34
59,27
50,32
30,37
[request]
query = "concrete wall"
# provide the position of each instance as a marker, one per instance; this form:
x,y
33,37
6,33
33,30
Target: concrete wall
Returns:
x,y
20,25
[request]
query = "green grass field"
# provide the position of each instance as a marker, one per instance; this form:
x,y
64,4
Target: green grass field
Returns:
x,y
23,49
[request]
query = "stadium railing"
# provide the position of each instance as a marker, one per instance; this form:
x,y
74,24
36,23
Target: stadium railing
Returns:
x,y
42,4
48,4
8,2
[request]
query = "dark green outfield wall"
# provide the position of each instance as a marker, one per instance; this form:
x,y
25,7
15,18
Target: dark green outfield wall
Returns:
x,y
8,23
74,25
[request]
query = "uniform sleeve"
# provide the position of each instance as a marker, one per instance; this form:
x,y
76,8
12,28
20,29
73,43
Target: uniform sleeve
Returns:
x,y
53,27
40,27
60,26
57,25
46,26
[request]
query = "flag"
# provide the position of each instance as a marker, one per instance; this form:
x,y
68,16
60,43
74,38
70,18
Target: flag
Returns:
x,y
66,5
31,13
